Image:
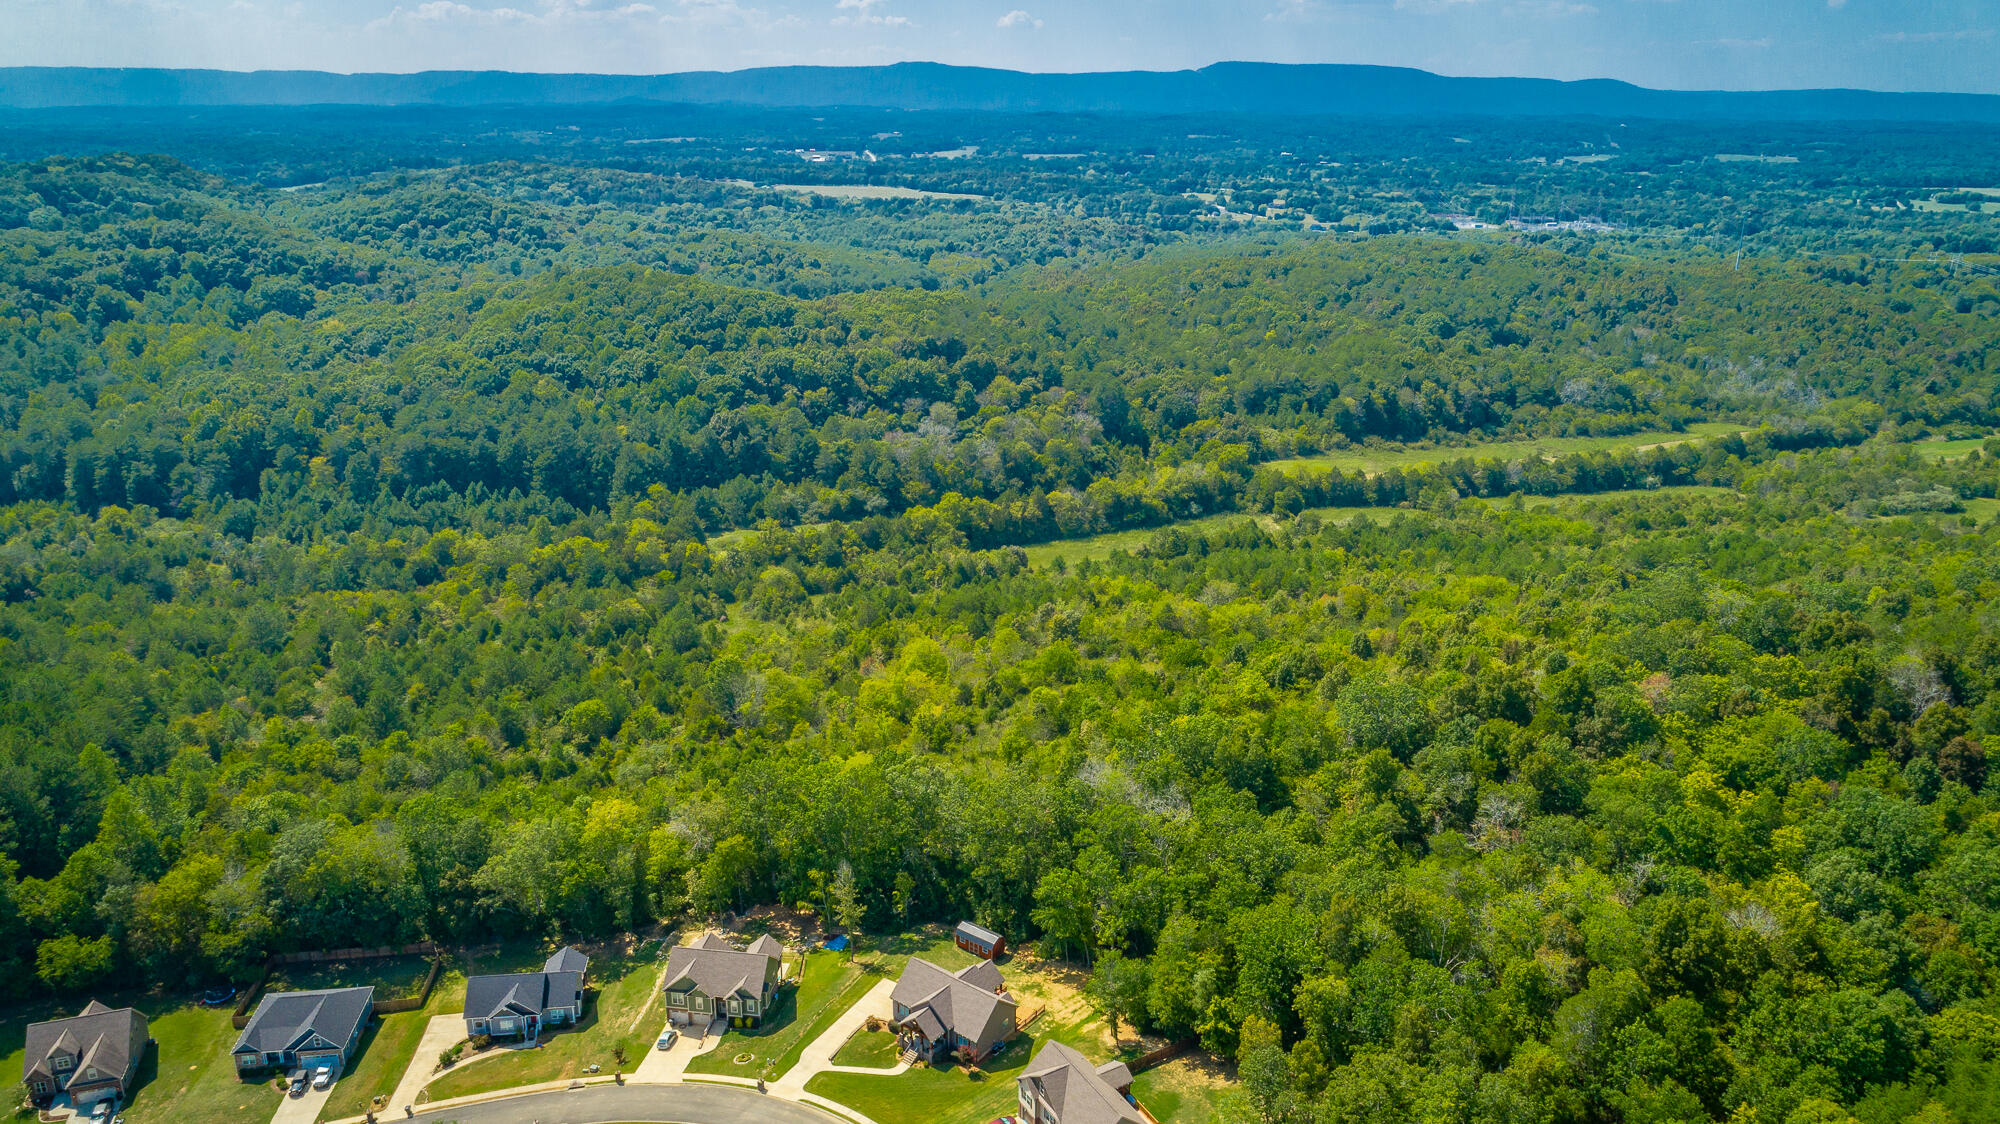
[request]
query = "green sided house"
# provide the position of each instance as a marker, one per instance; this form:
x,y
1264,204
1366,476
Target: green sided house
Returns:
x,y
80,1061
304,1029
714,978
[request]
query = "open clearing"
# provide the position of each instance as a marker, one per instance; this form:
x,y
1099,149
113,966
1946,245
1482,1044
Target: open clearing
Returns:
x,y
868,191
1373,459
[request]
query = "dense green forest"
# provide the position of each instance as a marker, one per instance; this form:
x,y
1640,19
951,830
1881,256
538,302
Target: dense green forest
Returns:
x,y
561,541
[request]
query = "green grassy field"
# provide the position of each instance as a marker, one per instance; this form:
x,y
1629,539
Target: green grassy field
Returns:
x,y
1097,548
400,977
616,1018
1948,449
1381,458
875,1049
1179,1093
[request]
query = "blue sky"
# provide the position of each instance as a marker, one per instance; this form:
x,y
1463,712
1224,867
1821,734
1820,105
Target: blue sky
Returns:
x,y
1702,44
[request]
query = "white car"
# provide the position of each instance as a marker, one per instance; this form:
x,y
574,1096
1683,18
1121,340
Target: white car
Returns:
x,y
322,1078
666,1041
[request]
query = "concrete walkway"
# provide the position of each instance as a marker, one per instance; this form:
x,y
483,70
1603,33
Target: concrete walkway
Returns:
x,y
817,1058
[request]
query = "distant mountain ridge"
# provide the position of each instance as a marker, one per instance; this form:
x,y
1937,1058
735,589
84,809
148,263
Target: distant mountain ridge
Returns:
x,y
1232,87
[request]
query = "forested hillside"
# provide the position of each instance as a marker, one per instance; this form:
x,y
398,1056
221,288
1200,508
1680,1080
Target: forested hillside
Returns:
x,y
534,549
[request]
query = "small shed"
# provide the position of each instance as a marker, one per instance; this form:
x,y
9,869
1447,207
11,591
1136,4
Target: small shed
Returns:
x,y
979,941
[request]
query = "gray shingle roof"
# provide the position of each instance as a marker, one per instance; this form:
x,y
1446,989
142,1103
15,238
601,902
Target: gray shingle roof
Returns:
x,y
284,1018
962,1006
102,1038
983,975
521,993
978,933
1075,1088
568,959
717,968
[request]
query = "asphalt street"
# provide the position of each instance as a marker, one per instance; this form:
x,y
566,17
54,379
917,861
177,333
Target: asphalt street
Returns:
x,y
598,1104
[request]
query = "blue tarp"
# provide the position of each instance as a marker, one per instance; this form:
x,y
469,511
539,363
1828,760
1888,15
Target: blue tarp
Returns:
x,y
837,944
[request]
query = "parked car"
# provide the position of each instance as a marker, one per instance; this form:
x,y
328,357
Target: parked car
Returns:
x,y
667,1040
100,1110
299,1083
322,1078
218,996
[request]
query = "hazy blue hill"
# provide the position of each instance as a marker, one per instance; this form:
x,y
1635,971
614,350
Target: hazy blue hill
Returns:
x,y
1260,88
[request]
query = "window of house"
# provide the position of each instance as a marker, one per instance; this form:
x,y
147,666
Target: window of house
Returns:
x,y
273,1059
735,1006
41,1086
62,1062
677,999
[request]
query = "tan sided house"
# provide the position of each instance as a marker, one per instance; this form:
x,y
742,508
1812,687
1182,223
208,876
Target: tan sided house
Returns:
x,y
714,978
84,1060
1060,1086
938,1012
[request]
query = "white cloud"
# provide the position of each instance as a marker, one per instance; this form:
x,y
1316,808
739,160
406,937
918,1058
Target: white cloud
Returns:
x,y
553,12
1550,8
864,15
1017,18
1836,5
1960,36
1431,7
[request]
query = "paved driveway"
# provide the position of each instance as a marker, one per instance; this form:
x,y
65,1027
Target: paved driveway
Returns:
x,y
598,1104
439,1033
817,1057
660,1067
302,1110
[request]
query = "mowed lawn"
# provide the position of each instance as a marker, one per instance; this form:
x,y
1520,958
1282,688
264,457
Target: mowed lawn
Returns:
x,y
616,1017
187,1079
829,983
873,1049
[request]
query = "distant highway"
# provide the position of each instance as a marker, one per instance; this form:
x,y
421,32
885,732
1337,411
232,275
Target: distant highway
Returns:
x,y
605,1104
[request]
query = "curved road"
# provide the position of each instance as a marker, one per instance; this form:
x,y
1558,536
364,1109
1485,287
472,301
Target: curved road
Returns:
x,y
598,1104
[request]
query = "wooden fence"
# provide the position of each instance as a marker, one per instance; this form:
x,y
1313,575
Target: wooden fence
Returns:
x,y
421,948
240,1018
1166,1053
416,1002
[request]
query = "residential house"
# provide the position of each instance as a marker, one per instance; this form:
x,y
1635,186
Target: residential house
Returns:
x,y
87,1059
304,1029
1060,1086
978,940
937,1012
523,1004
714,978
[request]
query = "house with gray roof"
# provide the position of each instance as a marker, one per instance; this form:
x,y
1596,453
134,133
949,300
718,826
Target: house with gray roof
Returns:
x,y
714,978
304,1029
1060,1086
938,1012
523,1004
85,1059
